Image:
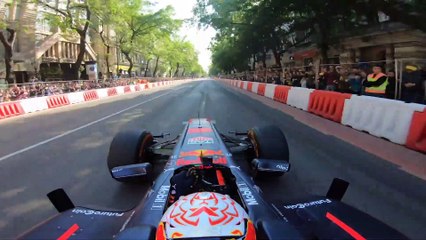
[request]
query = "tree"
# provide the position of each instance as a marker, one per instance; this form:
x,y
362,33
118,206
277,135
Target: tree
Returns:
x,y
107,13
8,30
136,25
74,16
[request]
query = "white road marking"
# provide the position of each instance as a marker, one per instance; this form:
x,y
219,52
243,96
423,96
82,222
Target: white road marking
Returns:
x,y
84,126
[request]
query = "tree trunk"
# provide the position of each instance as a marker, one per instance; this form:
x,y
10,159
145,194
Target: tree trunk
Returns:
x,y
277,58
108,48
80,56
128,58
171,70
254,63
183,72
324,44
177,70
147,67
264,59
8,51
154,74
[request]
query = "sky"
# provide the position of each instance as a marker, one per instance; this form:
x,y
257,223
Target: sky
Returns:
x,y
200,38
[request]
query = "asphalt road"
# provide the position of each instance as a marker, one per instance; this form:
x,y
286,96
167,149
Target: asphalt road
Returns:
x,y
68,148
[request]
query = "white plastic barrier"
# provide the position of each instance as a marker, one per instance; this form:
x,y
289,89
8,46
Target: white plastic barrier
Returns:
x,y
270,91
120,90
34,104
380,117
152,85
132,88
254,87
76,97
299,97
102,93
245,85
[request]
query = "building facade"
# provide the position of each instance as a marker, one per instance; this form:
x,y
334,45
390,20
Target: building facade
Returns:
x,y
40,49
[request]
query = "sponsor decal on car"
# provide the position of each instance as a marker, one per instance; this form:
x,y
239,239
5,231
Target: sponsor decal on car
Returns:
x,y
199,152
183,162
200,140
247,194
98,213
161,198
308,204
199,130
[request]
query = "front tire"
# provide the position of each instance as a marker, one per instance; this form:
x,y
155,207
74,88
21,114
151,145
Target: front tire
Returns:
x,y
268,142
129,147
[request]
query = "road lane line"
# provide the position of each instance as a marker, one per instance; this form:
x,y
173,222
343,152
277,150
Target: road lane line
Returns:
x,y
85,126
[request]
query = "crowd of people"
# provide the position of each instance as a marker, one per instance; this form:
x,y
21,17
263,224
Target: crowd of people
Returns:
x,y
375,82
39,89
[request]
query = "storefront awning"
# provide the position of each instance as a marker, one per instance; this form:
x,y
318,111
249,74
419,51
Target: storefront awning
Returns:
x,y
305,54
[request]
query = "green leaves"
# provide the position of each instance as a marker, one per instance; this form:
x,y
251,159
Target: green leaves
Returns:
x,y
256,26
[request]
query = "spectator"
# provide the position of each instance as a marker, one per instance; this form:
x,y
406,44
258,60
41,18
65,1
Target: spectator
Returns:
x,y
303,81
376,83
355,81
331,78
343,85
412,85
322,82
310,80
390,88
295,80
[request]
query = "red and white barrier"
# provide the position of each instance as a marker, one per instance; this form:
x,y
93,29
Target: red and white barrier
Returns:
x,y
416,138
261,89
299,97
380,117
15,108
102,93
255,87
399,122
10,110
127,89
35,104
120,90
57,101
75,97
328,104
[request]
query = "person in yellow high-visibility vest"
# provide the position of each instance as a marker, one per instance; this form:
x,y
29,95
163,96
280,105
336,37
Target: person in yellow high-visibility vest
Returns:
x,y
376,83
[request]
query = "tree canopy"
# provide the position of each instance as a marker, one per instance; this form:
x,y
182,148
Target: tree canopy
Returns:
x,y
257,26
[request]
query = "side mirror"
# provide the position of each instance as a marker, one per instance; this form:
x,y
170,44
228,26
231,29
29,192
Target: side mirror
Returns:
x,y
270,165
137,171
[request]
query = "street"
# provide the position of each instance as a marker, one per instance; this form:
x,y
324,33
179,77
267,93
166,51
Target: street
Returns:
x,y
67,148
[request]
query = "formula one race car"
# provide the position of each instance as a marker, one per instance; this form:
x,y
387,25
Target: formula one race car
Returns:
x,y
204,194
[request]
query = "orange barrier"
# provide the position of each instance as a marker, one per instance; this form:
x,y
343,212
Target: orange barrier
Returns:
x,y
417,135
261,89
91,95
328,104
249,86
241,85
137,88
112,92
10,109
57,101
281,93
127,89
